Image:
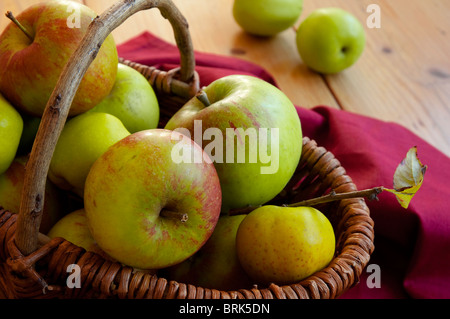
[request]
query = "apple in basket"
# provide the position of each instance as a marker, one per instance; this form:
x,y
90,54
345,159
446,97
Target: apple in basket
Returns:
x,y
11,184
83,139
73,227
252,133
284,245
216,264
132,100
34,50
147,209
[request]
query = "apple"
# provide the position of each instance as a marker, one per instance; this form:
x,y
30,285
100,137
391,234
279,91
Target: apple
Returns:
x,y
146,209
73,227
132,100
215,265
11,184
11,127
284,245
83,139
330,40
266,17
244,115
31,65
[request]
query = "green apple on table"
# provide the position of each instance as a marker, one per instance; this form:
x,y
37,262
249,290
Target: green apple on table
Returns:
x,y
11,127
132,100
237,105
284,245
11,184
147,210
73,227
32,61
215,265
83,139
266,17
330,40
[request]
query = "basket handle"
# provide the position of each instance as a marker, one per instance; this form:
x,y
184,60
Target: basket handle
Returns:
x,y
57,108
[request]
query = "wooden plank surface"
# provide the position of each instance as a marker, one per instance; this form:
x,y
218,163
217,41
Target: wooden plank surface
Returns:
x,y
403,75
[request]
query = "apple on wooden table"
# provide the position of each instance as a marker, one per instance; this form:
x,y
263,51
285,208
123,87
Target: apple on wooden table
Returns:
x,y
33,55
266,17
330,40
146,209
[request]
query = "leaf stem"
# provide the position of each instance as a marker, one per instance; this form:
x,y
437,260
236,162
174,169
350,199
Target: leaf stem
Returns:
x,y
10,16
371,194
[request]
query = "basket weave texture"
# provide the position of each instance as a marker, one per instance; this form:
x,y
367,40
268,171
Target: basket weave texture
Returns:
x,y
43,272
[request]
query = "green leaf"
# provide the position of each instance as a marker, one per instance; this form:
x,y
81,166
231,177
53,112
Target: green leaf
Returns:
x,y
408,178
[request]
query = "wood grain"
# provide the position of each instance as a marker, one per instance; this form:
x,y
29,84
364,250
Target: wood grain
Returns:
x,y
403,75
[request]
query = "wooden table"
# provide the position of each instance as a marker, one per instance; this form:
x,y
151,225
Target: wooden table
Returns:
x,y
403,75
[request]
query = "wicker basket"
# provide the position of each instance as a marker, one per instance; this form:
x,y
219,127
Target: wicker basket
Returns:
x,y
33,266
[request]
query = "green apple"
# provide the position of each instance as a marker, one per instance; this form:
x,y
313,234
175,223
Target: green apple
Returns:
x,y
83,139
132,100
284,245
11,127
11,184
146,209
330,40
266,17
30,66
252,133
73,227
215,265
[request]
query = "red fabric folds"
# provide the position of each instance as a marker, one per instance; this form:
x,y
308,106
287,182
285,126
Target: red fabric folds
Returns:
x,y
412,247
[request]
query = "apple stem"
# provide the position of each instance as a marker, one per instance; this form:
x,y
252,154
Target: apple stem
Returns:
x,y
371,194
182,217
201,95
10,15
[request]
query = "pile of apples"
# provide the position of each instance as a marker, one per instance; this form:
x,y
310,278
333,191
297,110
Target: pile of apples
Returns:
x,y
157,199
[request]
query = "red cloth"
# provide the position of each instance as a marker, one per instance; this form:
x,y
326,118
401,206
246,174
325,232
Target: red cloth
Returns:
x,y
412,247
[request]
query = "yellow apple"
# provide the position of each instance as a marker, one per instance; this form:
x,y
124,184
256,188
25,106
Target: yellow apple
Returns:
x,y
284,245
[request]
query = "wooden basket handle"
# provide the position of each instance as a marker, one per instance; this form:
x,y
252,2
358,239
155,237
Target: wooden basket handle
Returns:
x,y
57,108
